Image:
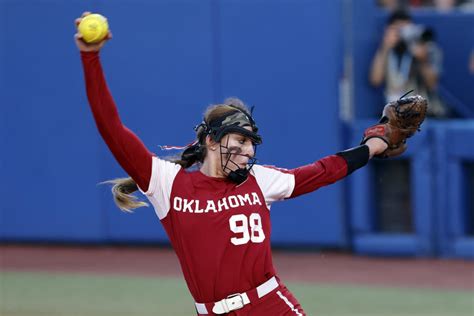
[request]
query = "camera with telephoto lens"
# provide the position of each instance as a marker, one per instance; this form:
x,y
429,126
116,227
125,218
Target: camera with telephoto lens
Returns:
x,y
411,33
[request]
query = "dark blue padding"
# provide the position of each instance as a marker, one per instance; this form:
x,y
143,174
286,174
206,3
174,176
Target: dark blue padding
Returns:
x,y
454,145
362,202
463,247
386,245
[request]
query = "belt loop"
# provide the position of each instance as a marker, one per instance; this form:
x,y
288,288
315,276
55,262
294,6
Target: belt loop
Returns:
x,y
201,308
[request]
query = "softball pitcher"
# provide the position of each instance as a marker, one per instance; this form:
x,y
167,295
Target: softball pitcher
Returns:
x,y
217,216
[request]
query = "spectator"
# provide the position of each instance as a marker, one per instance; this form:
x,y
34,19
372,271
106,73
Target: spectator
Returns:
x,y
408,58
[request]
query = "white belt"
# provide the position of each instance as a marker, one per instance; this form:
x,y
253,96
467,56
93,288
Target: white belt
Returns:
x,y
238,300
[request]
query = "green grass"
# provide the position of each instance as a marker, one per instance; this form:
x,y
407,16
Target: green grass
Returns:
x,y
28,294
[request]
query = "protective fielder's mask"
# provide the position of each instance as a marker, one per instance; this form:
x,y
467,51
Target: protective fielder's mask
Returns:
x,y
232,122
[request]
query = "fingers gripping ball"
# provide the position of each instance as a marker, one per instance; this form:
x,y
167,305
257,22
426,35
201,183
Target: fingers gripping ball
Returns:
x,y
93,28
400,120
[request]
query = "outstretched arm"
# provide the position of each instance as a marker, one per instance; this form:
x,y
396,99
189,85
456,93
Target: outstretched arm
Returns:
x,y
333,168
278,184
126,147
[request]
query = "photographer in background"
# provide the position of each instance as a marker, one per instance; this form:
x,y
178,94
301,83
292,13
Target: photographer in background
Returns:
x,y
408,58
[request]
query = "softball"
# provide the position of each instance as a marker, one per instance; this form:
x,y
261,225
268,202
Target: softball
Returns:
x,y
93,28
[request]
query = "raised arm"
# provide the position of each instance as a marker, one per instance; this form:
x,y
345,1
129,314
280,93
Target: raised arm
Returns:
x,y
127,148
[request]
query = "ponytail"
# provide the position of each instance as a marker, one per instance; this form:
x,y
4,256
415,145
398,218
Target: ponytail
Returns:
x,y
122,190
191,155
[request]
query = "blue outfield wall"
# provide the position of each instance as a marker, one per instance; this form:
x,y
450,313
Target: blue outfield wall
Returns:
x,y
50,149
3,121
167,61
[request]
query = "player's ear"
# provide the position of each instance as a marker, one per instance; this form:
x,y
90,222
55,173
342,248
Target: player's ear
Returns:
x,y
210,143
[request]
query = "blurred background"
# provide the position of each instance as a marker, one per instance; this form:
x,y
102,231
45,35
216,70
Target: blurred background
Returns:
x,y
318,73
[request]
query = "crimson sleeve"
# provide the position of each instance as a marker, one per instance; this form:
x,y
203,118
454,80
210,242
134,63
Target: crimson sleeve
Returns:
x,y
318,174
127,148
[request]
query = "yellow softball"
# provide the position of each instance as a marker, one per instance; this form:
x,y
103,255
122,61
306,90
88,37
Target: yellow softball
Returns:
x,y
94,28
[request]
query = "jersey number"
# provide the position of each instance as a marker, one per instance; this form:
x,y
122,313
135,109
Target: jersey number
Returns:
x,y
239,224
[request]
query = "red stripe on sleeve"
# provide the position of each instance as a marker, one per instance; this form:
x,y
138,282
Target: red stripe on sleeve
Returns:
x,y
318,174
127,148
